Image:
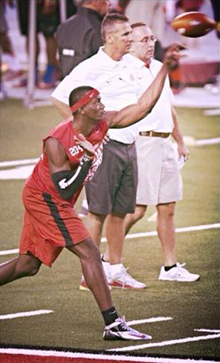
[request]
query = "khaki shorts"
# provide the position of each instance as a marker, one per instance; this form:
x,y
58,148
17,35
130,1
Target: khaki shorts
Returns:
x,y
159,178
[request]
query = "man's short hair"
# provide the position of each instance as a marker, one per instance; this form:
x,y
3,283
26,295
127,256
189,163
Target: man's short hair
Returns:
x,y
78,93
137,25
109,21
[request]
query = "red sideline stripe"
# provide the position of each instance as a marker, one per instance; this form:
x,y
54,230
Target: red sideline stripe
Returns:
x,y
21,358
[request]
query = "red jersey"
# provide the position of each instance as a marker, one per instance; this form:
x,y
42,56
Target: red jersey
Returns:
x,y
40,178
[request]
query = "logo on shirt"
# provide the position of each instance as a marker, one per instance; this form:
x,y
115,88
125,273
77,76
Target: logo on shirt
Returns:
x,y
76,149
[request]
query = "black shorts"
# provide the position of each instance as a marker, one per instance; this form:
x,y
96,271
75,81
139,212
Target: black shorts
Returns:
x,y
113,187
45,23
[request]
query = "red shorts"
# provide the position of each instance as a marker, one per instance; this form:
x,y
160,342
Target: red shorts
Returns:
x,y
49,225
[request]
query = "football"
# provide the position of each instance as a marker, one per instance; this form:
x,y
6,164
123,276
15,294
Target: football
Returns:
x,y
193,24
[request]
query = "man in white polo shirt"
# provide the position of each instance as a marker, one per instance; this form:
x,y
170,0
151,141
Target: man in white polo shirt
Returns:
x,y
159,178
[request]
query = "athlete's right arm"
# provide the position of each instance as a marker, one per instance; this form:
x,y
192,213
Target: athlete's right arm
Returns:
x,y
67,182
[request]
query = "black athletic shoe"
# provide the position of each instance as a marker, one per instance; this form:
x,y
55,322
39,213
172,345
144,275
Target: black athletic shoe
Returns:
x,y
119,330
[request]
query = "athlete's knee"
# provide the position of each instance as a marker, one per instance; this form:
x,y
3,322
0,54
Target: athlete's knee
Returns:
x,y
33,270
28,267
94,252
87,250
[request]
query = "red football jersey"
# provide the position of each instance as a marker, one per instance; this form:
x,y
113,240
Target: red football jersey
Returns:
x,y
40,178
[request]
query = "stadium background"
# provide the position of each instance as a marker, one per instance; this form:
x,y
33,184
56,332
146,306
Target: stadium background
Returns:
x,y
190,311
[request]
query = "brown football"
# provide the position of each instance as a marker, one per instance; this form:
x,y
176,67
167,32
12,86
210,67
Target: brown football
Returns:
x,y
193,24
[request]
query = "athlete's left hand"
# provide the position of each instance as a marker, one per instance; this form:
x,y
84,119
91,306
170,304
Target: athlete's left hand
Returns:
x,y
85,144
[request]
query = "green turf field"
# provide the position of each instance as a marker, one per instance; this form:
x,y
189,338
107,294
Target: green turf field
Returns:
x,y
75,321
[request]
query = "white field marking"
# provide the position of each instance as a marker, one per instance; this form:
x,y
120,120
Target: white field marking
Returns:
x,y
189,140
208,141
119,358
5,164
19,173
150,320
177,230
24,314
9,252
82,215
141,235
165,343
208,330
153,217
213,112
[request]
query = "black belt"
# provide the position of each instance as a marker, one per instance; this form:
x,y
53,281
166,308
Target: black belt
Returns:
x,y
164,135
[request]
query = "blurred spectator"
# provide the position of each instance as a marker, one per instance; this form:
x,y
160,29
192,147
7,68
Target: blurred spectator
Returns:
x,y
47,21
119,6
79,37
11,68
216,11
189,5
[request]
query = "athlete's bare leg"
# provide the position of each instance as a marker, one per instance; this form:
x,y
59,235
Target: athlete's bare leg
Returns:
x,y
93,272
21,266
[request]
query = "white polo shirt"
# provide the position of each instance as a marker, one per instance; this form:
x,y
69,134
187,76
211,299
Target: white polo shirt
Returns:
x,y
160,119
115,80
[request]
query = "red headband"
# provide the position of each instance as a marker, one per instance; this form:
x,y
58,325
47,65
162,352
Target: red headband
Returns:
x,y
88,96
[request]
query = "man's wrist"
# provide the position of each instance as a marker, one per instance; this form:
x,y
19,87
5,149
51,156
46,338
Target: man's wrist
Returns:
x,y
88,157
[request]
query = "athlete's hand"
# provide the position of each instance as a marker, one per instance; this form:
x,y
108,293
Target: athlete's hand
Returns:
x,y
172,55
85,144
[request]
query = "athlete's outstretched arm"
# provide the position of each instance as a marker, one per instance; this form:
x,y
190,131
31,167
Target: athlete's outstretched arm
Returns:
x,y
133,113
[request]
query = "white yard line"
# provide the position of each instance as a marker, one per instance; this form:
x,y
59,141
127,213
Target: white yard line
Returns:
x,y
208,330
208,141
178,230
149,320
141,235
9,252
25,314
99,357
6,164
164,343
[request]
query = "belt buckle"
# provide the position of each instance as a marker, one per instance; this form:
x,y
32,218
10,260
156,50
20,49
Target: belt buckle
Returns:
x,y
150,133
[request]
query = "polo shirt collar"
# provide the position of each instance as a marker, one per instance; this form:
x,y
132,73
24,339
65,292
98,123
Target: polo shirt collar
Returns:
x,y
108,61
138,63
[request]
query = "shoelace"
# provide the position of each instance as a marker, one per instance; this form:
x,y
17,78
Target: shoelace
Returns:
x,y
123,324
